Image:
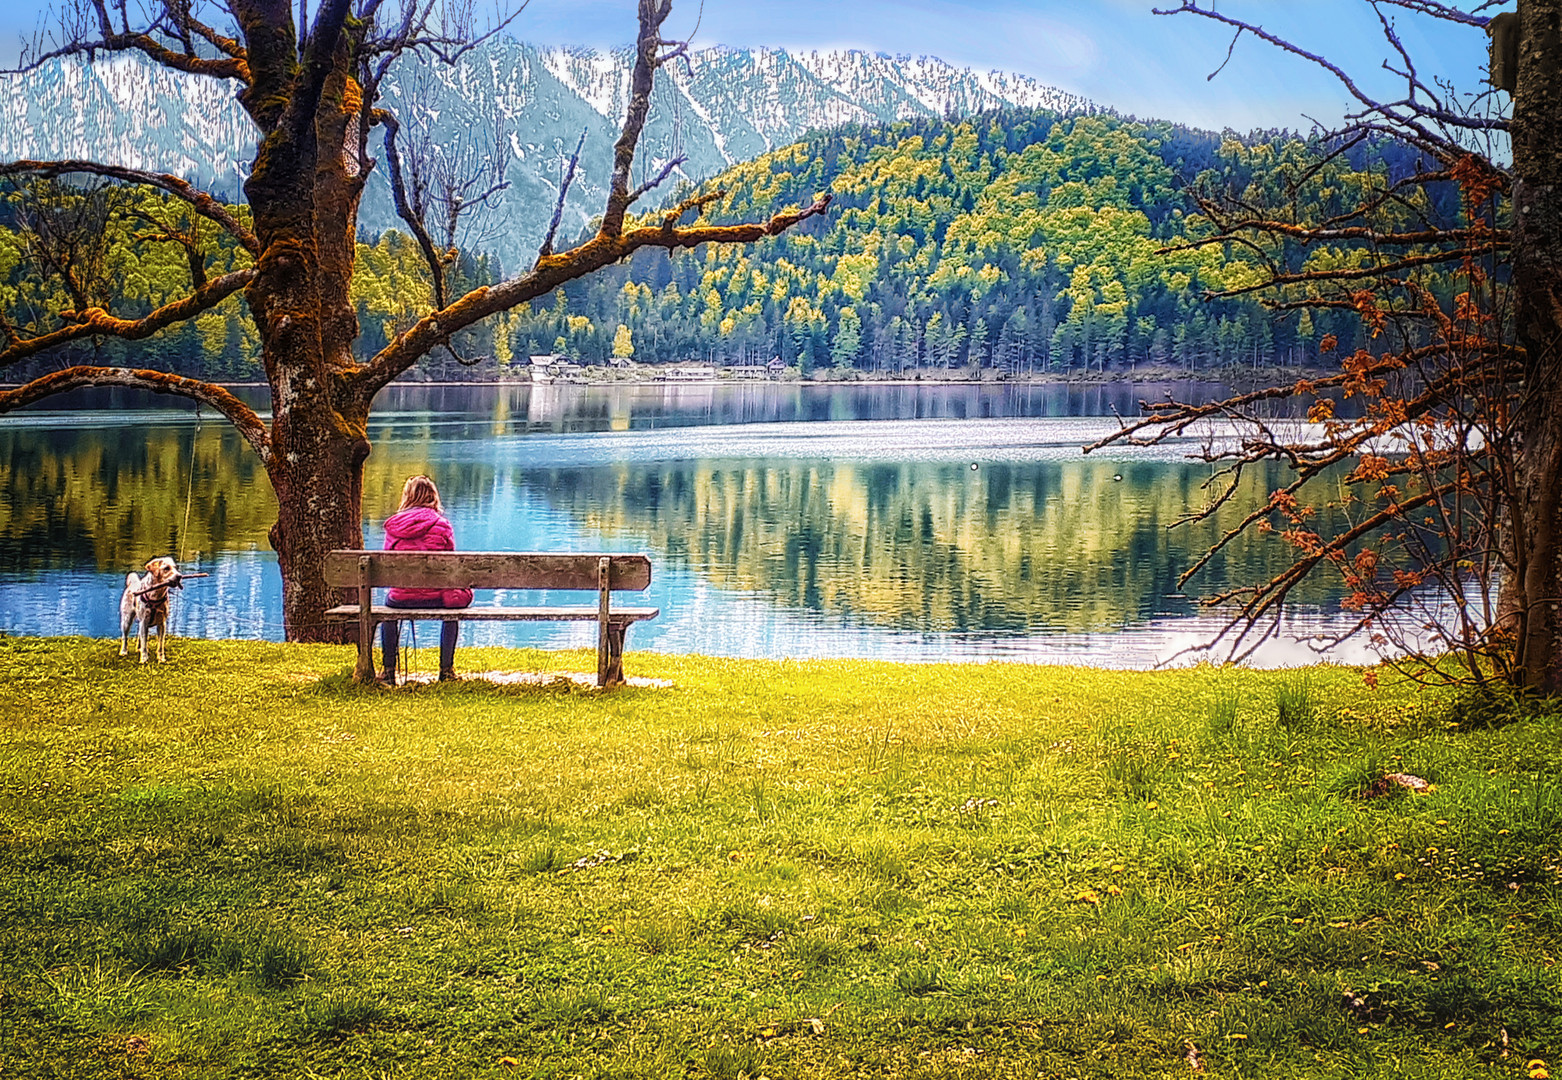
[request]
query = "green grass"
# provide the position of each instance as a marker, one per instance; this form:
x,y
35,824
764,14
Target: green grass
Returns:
x,y
240,864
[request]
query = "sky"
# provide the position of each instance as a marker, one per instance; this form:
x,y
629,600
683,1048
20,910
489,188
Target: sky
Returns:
x,y
1118,53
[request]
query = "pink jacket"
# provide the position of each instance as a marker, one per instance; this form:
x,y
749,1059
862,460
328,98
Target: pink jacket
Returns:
x,y
422,528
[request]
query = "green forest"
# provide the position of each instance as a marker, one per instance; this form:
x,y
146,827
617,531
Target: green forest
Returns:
x,y
1017,241
1021,241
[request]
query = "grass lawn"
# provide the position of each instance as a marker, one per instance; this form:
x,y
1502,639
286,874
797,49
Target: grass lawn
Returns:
x,y
241,864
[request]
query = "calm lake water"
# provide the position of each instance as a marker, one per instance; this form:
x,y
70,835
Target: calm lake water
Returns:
x,y
912,522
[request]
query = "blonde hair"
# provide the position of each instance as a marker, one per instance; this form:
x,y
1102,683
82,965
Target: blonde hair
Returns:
x,y
420,491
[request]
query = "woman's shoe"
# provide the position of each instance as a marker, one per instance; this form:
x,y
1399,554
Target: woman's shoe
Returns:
x,y
447,675
386,678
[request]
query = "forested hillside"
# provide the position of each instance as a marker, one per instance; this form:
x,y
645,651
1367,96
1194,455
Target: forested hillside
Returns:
x,y
1023,241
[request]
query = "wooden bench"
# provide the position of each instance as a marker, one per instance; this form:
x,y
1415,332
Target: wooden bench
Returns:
x,y
605,574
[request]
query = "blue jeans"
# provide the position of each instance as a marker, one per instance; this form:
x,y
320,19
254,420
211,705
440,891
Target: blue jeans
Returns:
x,y
390,638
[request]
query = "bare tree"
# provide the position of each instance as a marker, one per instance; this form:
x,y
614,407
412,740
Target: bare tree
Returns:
x,y
310,87
1443,497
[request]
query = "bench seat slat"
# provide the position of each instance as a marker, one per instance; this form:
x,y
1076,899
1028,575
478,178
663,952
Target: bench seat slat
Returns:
x,y
495,614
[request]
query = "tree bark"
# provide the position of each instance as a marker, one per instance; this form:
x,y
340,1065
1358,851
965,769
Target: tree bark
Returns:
x,y
319,490
1531,594
304,192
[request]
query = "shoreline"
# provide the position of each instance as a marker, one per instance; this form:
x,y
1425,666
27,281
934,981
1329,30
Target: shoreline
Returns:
x,y
1243,378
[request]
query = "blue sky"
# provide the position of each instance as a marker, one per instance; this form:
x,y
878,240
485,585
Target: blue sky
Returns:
x,y
1116,52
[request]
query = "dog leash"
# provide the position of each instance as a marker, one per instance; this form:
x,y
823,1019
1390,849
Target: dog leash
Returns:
x,y
189,492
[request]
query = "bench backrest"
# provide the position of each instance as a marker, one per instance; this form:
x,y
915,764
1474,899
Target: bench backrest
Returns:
x,y
485,570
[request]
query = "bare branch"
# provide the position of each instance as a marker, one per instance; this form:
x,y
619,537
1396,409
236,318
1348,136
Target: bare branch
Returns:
x,y
87,32
555,270
95,321
158,382
656,181
647,59
1406,115
558,207
404,207
1441,11
202,202
189,239
1355,274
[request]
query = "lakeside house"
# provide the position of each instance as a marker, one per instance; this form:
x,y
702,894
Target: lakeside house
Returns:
x,y
754,371
688,373
554,368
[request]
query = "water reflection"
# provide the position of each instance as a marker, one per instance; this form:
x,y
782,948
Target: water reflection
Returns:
x,y
898,521
929,547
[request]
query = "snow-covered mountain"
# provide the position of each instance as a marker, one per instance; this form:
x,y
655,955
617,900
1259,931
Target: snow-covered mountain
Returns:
x,y
727,105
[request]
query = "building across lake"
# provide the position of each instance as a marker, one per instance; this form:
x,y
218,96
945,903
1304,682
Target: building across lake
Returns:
x,y
688,373
553,368
754,371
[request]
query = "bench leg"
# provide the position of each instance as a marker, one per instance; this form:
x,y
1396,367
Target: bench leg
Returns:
x,y
364,670
610,655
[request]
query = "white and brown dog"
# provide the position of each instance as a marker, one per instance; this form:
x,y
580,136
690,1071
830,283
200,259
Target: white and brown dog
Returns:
x,y
145,600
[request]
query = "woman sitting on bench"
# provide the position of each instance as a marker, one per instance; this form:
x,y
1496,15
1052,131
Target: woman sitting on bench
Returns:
x,y
420,525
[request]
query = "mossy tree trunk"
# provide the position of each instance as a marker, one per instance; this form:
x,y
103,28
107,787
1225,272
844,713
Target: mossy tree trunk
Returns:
x,y
303,193
1533,593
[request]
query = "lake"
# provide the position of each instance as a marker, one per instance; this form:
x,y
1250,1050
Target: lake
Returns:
x,y
903,521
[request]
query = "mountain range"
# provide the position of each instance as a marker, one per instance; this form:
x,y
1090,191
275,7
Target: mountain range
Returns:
x,y
724,106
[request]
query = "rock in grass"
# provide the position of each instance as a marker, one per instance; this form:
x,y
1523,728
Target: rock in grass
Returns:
x,y
1395,783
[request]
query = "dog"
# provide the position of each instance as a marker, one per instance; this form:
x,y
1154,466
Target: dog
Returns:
x,y
145,600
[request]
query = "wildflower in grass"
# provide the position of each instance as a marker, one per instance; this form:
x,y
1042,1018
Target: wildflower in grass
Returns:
x,y
1088,897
